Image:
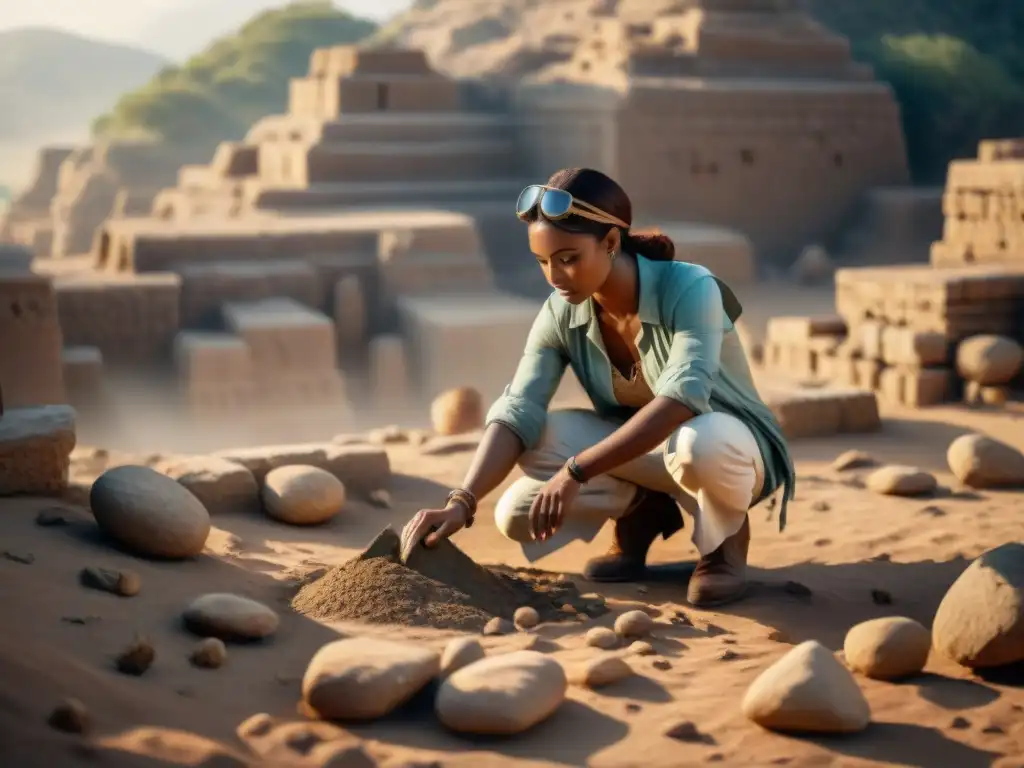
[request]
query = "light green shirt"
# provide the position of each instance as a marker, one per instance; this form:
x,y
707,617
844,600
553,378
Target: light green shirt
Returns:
x,y
689,352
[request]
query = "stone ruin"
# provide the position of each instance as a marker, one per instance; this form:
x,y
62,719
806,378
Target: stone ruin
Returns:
x,y
898,329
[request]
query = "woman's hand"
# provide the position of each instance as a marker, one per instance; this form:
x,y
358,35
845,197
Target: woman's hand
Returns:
x,y
552,504
446,522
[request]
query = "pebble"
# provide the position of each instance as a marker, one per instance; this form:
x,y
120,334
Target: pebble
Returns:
x,y
641,648
526,617
70,716
380,498
807,690
149,513
634,624
978,461
888,648
230,617
459,653
502,695
364,678
602,637
456,411
209,653
601,671
498,626
298,494
52,518
137,658
688,733
852,460
897,480
123,583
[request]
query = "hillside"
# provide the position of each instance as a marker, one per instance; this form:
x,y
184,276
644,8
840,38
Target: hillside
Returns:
x,y
957,67
53,82
218,93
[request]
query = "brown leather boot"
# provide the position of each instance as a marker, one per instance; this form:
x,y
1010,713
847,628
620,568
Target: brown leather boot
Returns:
x,y
721,577
653,514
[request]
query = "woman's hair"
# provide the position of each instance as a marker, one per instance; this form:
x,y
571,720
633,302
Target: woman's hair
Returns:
x,y
604,193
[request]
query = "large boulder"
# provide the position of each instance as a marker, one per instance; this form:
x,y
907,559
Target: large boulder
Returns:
x,y
989,360
302,495
980,621
807,690
981,462
363,678
887,649
502,695
149,513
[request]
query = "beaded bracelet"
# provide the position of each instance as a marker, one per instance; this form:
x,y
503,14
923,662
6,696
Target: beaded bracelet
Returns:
x,y
574,471
468,500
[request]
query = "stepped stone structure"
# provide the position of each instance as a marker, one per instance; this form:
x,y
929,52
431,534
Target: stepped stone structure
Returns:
x,y
747,114
28,219
897,328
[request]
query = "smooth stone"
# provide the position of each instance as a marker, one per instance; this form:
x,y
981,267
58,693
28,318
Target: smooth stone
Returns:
x,y
502,695
896,480
989,360
526,617
302,495
852,460
601,671
979,461
209,653
889,648
634,624
230,617
602,637
641,648
459,653
457,411
364,678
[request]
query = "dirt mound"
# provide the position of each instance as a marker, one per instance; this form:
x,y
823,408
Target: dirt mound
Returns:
x,y
439,587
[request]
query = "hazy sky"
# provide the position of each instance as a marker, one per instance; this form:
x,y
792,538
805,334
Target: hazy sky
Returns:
x,y
138,22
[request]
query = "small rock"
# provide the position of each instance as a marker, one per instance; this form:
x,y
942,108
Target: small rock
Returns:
x,y
302,495
688,733
634,624
978,461
728,655
895,480
887,649
602,670
960,723
852,460
209,653
807,690
502,695
149,513
980,621
526,617
797,589
641,648
459,653
52,518
123,583
456,411
662,664
933,511
498,626
632,707
363,678
989,360
881,597
568,608
602,637
820,506
25,558
136,658
70,716
230,617
380,498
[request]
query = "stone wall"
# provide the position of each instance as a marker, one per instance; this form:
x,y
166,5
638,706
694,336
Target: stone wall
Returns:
x,y
31,372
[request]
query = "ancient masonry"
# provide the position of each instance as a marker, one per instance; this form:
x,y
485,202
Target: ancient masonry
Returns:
x,y
897,329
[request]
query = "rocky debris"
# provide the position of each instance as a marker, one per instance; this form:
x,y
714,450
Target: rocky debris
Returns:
x,y
502,695
979,461
209,653
302,495
123,583
303,744
888,648
136,658
230,617
634,624
807,690
498,626
980,621
641,648
361,678
526,617
149,513
380,498
70,716
844,462
222,486
54,517
897,480
812,266
989,360
602,637
601,671
459,653
688,733
457,411
361,468
35,450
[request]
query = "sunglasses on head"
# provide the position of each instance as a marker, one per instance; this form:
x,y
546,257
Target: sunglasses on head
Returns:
x,y
557,204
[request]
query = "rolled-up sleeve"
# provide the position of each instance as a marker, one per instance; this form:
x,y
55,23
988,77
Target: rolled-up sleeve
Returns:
x,y
523,406
698,322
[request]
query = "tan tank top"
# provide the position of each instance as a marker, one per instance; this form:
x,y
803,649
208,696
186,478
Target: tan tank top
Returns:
x,y
634,392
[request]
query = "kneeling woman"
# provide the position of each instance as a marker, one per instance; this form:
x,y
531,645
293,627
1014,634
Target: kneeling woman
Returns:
x,y
676,416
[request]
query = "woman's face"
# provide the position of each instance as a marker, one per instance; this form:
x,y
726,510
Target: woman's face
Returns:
x,y
576,265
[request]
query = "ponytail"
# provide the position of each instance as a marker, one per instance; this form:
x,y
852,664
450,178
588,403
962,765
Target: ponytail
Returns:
x,y
650,244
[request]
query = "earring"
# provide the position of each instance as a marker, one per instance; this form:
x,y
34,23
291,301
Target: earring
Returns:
x,y
612,254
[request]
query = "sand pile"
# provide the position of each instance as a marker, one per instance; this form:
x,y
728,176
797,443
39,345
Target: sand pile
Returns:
x,y
440,587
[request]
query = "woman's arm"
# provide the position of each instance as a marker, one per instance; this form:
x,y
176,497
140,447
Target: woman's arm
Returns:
x,y
495,458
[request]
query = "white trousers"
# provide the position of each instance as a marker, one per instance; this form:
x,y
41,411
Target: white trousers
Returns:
x,y
711,465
